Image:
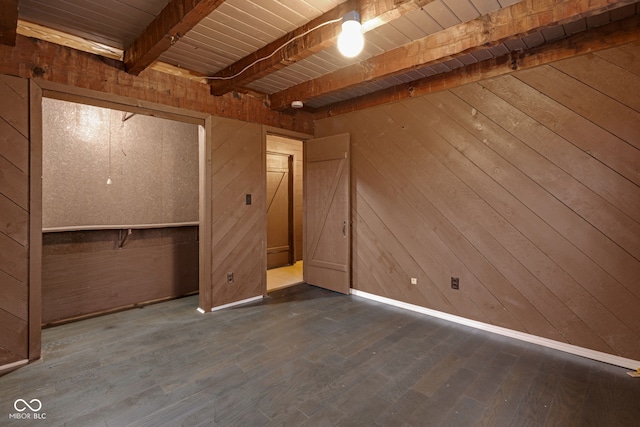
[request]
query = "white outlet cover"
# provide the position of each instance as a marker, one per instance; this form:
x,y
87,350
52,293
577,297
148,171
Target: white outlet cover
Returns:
x,y
414,281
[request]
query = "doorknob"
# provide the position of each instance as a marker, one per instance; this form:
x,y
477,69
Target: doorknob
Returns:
x,y
344,228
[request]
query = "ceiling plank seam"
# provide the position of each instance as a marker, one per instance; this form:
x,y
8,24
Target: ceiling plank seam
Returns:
x,y
175,20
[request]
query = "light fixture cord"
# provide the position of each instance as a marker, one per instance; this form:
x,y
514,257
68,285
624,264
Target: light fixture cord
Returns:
x,y
333,21
109,145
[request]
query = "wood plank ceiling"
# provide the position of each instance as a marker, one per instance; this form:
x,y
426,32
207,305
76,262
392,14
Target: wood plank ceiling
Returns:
x,y
405,40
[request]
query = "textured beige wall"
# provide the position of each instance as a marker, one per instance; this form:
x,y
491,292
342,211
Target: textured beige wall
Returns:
x,y
152,163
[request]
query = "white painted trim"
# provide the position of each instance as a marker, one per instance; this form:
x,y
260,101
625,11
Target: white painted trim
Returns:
x,y
557,345
233,304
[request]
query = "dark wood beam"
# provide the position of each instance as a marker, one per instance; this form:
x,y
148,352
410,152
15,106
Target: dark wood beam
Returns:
x,y
611,35
175,20
8,22
76,72
492,29
373,12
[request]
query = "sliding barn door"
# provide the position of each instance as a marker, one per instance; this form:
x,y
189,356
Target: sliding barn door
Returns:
x,y
327,223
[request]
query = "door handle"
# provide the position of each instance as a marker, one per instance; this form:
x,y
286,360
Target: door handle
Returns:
x,y
344,228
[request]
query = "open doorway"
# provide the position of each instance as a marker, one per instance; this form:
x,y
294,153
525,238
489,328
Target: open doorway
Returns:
x,y
284,174
120,209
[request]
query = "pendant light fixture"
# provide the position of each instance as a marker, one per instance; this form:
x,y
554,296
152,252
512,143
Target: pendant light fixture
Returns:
x,y
350,40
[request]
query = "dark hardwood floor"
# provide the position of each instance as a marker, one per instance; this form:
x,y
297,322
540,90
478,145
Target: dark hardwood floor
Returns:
x,y
306,356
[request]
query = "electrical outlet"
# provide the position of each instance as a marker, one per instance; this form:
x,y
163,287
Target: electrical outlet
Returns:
x,y
455,283
414,281
229,278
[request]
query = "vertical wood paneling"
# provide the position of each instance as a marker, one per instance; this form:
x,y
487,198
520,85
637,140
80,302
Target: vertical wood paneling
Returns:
x,y
525,186
14,212
238,230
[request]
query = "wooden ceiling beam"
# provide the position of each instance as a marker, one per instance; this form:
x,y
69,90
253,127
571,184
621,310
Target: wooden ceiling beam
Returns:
x,y
373,13
178,17
488,30
8,22
40,32
600,38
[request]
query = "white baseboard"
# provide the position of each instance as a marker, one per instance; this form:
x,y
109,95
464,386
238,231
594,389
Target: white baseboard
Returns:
x,y
232,304
568,348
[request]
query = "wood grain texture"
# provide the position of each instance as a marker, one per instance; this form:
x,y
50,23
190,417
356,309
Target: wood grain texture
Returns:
x,y
8,22
86,272
523,186
617,33
292,147
14,217
508,23
279,201
14,220
176,19
35,221
35,58
14,296
13,146
341,361
204,214
238,230
13,331
327,212
375,13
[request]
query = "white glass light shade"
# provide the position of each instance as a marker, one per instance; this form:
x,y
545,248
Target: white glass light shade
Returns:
x,y
350,40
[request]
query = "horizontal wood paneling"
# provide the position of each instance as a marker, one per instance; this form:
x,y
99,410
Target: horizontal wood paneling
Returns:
x,y
14,205
85,272
526,187
238,230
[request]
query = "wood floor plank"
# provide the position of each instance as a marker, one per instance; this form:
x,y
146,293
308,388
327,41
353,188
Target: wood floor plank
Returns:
x,y
166,365
444,401
537,401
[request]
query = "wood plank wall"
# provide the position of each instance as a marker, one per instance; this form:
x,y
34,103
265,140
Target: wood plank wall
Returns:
x,y
14,218
292,147
526,187
238,230
86,272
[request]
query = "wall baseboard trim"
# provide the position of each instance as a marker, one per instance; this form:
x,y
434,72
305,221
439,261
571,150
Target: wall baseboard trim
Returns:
x,y
5,369
233,304
522,336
